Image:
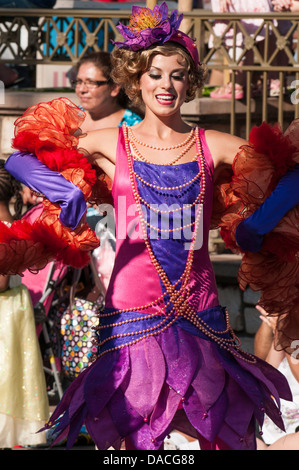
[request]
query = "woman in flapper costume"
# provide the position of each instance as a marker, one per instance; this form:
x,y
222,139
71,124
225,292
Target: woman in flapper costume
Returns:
x,y
167,356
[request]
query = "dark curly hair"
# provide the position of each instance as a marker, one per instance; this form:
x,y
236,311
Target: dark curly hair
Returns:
x,y
128,66
11,190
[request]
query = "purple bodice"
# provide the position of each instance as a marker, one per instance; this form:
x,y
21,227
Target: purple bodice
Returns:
x,y
134,280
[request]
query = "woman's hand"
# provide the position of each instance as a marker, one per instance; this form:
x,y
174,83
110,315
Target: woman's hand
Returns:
x,y
270,321
282,5
28,169
225,5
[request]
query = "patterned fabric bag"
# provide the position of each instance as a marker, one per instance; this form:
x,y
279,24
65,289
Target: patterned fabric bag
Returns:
x,y
77,328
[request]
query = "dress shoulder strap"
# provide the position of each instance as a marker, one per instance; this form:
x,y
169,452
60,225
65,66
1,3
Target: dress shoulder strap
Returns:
x,y
206,152
120,160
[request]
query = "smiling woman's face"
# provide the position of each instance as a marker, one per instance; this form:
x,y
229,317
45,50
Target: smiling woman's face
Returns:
x,y
164,85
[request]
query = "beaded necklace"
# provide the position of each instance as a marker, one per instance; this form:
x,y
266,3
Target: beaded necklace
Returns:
x,y
170,188
178,292
136,195
173,147
188,143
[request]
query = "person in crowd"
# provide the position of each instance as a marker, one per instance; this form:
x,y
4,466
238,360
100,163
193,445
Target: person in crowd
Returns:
x,y
8,76
288,442
30,198
106,105
251,25
27,3
103,101
286,5
273,438
23,394
167,357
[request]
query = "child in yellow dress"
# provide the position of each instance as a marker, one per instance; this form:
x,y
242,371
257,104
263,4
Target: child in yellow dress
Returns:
x,y
23,395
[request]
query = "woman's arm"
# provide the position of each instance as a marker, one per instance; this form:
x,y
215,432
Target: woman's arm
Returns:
x,y
295,6
274,356
223,147
264,338
100,147
287,442
28,169
251,231
293,361
225,5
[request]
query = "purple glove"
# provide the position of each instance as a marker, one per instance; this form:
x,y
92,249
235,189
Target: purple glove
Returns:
x,y
250,232
29,170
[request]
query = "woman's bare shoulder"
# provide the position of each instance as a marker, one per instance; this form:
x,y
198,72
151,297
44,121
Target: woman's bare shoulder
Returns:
x,y
100,147
223,146
101,141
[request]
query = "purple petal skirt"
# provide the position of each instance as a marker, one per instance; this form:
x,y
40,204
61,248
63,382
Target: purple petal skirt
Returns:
x,y
162,374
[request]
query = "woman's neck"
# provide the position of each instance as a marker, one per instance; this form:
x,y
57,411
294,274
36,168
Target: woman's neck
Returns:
x,y
105,111
102,119
162,140
162,128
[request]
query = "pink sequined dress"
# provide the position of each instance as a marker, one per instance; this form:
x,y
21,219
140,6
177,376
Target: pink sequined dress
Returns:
x,y
167,357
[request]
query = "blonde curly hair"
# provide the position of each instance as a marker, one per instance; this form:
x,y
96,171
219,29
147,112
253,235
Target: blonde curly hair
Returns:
x,y
128,66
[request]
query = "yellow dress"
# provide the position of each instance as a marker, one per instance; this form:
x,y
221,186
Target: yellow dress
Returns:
x,y
23,396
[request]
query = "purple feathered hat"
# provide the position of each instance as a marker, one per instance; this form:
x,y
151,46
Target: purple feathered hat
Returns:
x,y
147,27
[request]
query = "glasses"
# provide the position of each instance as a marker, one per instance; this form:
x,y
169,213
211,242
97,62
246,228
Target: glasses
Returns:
x,y
90,84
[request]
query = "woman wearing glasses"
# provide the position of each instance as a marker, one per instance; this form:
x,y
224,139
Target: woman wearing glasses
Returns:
x,y
105,105
104,102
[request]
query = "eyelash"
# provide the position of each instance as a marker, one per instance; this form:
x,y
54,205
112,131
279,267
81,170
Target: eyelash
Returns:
x,y
157,77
